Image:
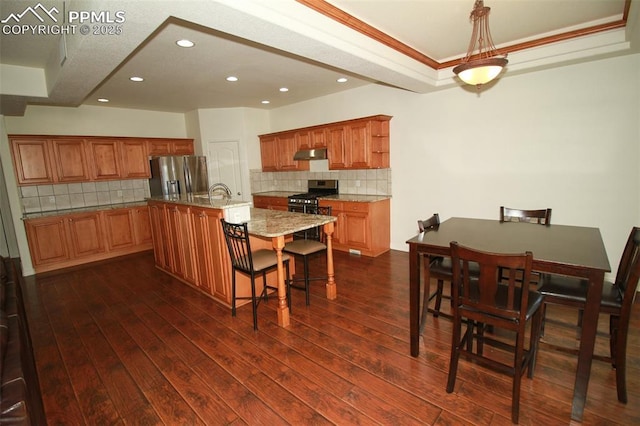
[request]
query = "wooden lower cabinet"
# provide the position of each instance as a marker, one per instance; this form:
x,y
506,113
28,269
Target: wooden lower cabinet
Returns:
x,y
211,253
142,225
189,245
161,249
271,203
86,235
127,227
119,223
48,241
361,227
57,242
182,262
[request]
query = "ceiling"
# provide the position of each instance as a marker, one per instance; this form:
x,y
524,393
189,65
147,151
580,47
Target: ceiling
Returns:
x,y
303,45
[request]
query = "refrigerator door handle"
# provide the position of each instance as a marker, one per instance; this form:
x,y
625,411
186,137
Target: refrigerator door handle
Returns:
x,y
187,177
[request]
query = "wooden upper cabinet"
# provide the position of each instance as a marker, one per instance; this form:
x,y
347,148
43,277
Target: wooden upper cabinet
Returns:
x,y
32,161
183,147
276,152
379,134
135,160
70,159
160,147
337,147
268,153
287,145
44,159
361,143
105,157
311,138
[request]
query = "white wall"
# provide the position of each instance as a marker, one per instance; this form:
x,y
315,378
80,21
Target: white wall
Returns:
x,y
97,121
235,124
566,139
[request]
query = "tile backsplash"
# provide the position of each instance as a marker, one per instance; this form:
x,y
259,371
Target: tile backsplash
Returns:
x,y
365,182
42,198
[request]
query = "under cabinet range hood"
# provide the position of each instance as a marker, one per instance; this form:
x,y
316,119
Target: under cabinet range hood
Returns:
x,y
311,154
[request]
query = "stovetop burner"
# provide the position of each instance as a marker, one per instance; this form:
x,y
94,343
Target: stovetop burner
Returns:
x,y
316,189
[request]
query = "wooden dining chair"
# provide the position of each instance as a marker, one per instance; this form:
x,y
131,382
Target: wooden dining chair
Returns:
x,y
306,244
540,216
617,302
440,269
486,301
251,263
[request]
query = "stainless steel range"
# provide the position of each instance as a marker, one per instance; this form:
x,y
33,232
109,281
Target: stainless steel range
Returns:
x,y
316,188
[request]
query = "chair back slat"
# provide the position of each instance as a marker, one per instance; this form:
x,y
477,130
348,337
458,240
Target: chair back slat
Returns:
x,y
489,292
539,216
237,238
428,224
628,274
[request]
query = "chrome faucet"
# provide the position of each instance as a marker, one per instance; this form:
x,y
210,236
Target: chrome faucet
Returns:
x,y
217,186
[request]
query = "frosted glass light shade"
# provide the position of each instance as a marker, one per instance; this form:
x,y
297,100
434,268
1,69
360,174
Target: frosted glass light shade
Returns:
x,y
481,71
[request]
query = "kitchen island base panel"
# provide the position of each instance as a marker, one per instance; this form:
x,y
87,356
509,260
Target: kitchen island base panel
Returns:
x,y
189,245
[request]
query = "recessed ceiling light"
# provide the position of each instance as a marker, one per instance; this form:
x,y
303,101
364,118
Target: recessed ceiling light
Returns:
x,y
284,89
232,78
265,102
136,79
342,80
185,43
103,100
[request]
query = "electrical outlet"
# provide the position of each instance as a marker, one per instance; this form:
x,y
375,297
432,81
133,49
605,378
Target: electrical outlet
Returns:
x,y
52,199
119,194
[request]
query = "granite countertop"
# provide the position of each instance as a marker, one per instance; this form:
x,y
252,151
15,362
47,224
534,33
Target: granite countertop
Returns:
x,y
202,200
276,223
283,194
35,215
361,198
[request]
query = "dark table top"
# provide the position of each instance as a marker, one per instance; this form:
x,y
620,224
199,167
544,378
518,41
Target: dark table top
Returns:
x,y
573,246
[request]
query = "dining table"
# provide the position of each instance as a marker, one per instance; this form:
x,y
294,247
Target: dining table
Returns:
x,y
277,225
557,249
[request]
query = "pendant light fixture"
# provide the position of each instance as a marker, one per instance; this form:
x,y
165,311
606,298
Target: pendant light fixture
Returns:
x,y
487,63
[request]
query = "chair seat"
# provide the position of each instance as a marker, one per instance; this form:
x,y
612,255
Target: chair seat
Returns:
x,y
265,258
304,247
575,290
443,267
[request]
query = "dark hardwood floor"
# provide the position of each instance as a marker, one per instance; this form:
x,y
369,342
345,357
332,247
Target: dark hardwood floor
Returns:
x,y
119,342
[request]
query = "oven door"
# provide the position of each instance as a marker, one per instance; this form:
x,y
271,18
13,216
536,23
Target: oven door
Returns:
x,y
296,208
307,234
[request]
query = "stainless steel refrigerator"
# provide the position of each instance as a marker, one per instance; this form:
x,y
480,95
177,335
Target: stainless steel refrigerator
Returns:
x,y
178,175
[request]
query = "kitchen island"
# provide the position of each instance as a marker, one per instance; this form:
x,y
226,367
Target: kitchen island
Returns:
x,y
189,244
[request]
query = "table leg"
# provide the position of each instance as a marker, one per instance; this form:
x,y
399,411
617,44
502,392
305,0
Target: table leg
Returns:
x,y
331,283
283,308
587,343
414,299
